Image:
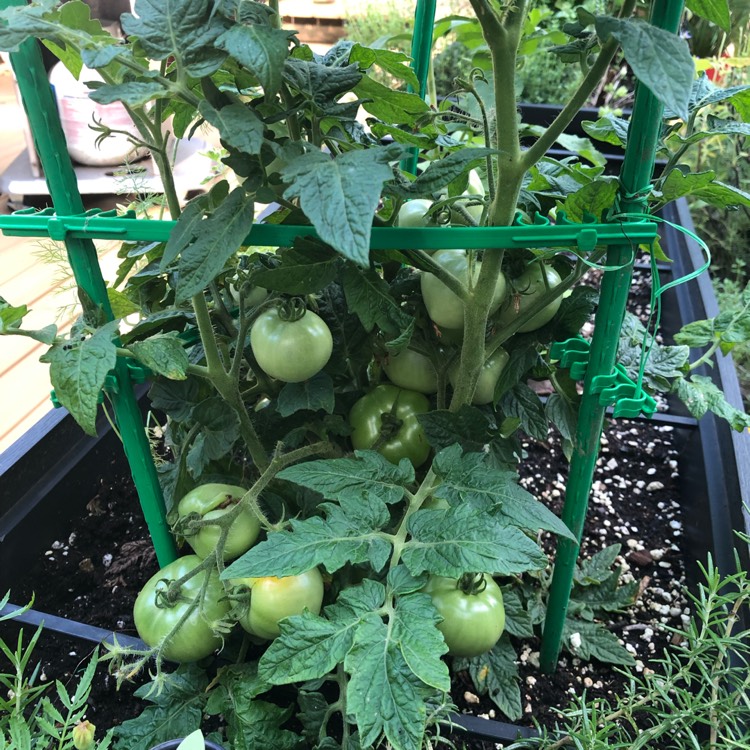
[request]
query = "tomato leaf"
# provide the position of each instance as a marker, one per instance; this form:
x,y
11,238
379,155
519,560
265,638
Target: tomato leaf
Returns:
x,y
183,29
164,354
176,710
522,358
176,399
469,427
369,297
593,198
521,402
340,196
715,11
310,395
701,395
237,124
562,414
518,621
310,646
220,236
395,63
320,84
332,542
219,430
452,542
78,371
443,171
466,480
390,104
609,129
496,673
132,93
383,694
575,310
306,268
354,479
594,641
659,59
261,49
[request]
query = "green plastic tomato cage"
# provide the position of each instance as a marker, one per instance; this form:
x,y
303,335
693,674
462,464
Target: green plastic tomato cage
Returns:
x,y
605,383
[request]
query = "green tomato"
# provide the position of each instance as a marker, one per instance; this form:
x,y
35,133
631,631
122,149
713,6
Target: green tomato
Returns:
x,y
252,295
412,214
443,306
155,618
291,351
272,599
212,501
530,286
475,185
386,420
472,622
488,377
411,370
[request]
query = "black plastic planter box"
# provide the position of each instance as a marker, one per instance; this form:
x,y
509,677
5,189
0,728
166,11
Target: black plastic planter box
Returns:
x,y
52,471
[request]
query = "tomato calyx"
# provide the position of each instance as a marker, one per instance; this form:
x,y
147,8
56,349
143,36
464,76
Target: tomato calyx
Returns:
x,y
291,310
472,584
390,424
170,594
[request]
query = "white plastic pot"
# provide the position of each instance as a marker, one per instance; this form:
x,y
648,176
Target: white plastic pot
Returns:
x,y
78,113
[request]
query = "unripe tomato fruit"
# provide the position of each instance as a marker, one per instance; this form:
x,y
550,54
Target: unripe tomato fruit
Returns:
x,y
291,350
369,417
272,599
472,623
412,213
154,621
212,501
411,370
530,286
443,306
488,377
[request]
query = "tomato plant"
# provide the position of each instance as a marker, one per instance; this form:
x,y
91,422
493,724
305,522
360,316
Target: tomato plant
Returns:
x,y
386,420
272,599
472,611
181,619
273,394
210,502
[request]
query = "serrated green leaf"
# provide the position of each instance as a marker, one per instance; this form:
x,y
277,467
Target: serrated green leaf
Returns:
x,y
422,645
562,414
715,11
354,479
401,581
184,29
78,371
219,430
596,642
313,394
468,427
219,237
383,693
575,310
263,50
22,22
597,568
659,59
132,93
310,646
466,480
390,105
237,124
518,621
164,354
609,129
443,171
521,402
395,63
331,542
453,542
340,196
320,84
701,395
496,673
595,198
522,359
368,296
301,270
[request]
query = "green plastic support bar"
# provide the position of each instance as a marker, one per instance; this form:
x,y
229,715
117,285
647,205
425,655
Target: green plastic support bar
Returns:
x,y
542,233
635,177
49,140
421,55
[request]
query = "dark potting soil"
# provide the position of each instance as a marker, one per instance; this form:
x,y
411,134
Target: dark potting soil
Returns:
x,y
94,571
